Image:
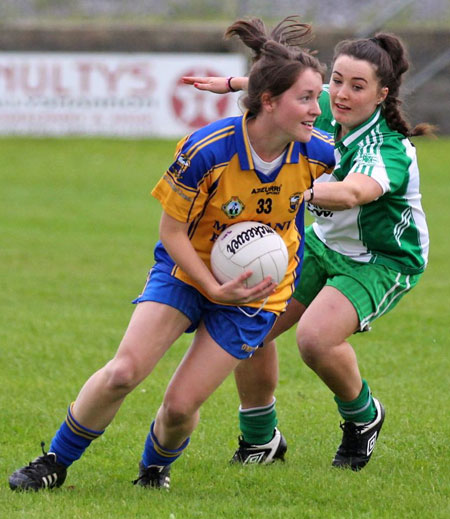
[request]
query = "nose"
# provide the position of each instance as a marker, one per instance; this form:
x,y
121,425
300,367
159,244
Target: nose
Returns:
x,y
315,109
341,92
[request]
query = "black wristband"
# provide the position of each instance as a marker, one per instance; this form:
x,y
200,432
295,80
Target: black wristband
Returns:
x,y
230,88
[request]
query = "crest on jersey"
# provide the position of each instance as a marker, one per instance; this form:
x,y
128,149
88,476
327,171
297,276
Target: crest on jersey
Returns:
x,y
367,159
180,165
233,207
294,202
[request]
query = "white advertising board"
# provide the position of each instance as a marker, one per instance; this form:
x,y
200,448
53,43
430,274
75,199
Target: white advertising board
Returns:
x,y
119,94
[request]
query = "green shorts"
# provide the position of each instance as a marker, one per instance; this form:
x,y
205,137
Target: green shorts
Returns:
x,y
372,289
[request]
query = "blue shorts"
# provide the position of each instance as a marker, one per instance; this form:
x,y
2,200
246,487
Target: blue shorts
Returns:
x,y
233,331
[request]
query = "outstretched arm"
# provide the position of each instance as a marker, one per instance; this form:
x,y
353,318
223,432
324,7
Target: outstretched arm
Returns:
x,y
355,189
217,85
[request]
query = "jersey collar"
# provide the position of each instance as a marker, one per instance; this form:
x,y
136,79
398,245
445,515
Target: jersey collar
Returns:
x,y
359,131
243,146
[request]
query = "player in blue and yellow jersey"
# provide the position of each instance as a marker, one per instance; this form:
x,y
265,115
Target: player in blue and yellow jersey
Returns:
x,y
367,248
216,169
253,167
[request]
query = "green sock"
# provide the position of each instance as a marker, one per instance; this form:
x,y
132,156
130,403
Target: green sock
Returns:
x,y
360,410
258,423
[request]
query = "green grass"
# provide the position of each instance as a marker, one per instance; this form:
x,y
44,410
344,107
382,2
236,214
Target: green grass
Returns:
x,y
77,229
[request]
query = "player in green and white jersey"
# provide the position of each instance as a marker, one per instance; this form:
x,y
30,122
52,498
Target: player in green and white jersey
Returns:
x,y
366,249
369,243
390,230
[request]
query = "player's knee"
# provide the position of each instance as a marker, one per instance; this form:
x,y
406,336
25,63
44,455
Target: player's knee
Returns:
x,y
122,375
309,345
176,412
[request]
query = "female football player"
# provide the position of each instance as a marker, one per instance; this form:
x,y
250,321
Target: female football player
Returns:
x,y
251,167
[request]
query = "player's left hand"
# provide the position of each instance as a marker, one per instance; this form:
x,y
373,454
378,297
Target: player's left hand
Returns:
x,y
236,292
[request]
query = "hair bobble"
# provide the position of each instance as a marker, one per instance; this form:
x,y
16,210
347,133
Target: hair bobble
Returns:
x,y
381,43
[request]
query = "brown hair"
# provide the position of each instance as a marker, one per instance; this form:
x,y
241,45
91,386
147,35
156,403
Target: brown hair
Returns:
x,y
387,54
278,58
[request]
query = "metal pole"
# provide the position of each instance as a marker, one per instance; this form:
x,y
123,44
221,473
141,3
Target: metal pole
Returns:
x,y
391,10
433,68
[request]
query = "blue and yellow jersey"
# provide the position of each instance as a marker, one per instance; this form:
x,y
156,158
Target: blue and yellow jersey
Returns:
x,y
213,183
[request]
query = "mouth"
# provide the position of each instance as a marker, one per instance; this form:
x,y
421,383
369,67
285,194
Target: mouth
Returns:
x,y
342,107
308,124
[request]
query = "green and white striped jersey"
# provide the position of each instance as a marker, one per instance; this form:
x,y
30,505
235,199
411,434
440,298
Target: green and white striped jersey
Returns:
x,y
325,121
391,230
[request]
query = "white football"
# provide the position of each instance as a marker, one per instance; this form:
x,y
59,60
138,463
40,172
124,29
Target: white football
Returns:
x,y
249,246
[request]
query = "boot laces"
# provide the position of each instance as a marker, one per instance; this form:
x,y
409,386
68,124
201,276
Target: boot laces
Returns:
x,y
352,434
36,466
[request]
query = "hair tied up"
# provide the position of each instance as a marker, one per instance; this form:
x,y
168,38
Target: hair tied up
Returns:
x,y
388,56
380,43
278,57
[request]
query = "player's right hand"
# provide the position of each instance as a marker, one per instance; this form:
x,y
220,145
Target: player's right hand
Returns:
x,y
217,85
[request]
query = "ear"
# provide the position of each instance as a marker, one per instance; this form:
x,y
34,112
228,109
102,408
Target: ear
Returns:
x,y
267,102
383,94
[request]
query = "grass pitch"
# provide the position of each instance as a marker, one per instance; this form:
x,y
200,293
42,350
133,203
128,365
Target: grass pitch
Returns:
x,y
77,229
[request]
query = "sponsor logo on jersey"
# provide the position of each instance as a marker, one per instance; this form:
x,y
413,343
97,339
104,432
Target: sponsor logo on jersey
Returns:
x,y
268,190
294,202
180,165
233,207
316,211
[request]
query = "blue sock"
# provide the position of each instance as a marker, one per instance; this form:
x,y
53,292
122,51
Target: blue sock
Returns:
x,y
155,454
71,440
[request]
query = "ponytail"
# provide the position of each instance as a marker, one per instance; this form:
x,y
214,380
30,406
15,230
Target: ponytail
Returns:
x,y
278,57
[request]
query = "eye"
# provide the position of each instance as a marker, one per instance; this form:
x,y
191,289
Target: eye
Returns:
x,y
336,81
357,87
